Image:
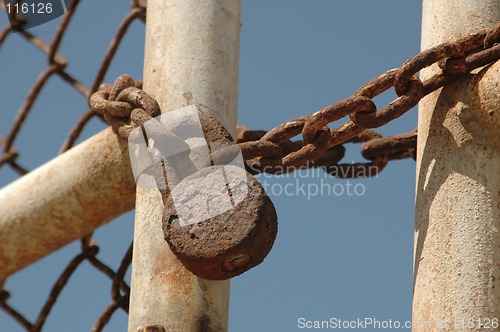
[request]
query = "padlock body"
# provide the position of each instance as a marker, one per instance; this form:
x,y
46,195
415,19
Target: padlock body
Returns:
x,y
232,239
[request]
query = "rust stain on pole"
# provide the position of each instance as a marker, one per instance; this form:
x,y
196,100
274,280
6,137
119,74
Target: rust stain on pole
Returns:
x,y
63,200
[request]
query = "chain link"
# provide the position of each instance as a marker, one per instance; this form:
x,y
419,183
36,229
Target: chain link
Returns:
x,y
275,152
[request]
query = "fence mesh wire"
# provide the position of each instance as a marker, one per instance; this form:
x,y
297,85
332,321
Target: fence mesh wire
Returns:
x,y
58,66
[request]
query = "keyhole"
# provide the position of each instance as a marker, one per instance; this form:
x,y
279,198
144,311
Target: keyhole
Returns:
x,y
236,262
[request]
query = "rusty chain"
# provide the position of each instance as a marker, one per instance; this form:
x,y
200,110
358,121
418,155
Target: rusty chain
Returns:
x,y
274,151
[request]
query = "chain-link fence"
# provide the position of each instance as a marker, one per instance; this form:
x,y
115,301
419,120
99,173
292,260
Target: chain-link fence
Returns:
x,y
59,68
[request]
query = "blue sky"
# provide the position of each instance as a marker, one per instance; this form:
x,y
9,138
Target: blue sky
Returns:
x,y
336,255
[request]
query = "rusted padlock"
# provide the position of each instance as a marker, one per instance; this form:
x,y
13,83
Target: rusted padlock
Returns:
x,y
227,244
241,225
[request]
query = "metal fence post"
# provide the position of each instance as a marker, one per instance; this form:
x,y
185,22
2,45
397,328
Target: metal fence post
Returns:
x,y
65,199
457,239
191,57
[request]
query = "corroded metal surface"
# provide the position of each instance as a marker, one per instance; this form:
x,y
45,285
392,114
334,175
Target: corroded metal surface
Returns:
x,y
274,152
230,243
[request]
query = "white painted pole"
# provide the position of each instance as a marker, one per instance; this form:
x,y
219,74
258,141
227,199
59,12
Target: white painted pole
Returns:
x,y
63,200
457,226
191,57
